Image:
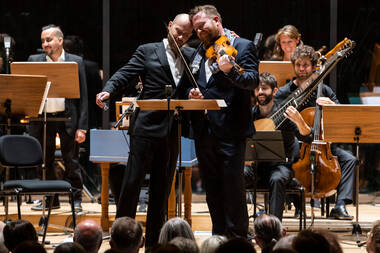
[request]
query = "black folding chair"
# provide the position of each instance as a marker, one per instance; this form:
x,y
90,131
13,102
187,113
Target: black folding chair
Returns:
x,y
19,151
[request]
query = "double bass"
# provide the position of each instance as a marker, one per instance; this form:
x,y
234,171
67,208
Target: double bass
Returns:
x,y
318,170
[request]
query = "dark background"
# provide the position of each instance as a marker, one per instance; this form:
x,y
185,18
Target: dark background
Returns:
x,y
140,21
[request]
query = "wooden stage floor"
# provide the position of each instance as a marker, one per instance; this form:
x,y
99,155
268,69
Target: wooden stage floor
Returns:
x,y
369,211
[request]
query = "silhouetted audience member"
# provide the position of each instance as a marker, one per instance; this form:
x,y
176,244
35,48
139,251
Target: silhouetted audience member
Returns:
x,y
29,246
373,242
3,249
126,235
69,247
175,227
17,232
285,242
212,243
89,234
185,245
236,244
332,240
310,242
284,251
163,248
268,230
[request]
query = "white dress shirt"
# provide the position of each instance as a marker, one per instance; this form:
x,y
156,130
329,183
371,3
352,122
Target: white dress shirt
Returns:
x,y
55,104
175,63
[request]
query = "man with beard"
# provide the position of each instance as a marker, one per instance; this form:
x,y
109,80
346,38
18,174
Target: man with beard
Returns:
x,y
153,133
274,174
71,131
220,135
304,60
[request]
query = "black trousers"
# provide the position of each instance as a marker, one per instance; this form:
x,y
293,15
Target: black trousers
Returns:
x,y
69,149
159,157
347,164
221,164
272,176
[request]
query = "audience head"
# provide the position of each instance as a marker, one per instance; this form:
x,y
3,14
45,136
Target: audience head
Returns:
x,y
126,235
285,242
332,239
89,234
287,39
373,242
212,243
3,249
185,245
310,242
69,247
29,246
175,227
236,245
17,232
268,230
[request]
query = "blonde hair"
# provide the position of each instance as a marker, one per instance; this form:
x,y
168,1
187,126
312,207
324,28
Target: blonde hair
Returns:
x,y
290,31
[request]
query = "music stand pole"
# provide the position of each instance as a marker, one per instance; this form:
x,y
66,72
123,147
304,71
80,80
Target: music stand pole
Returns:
x,y
181,169
356,229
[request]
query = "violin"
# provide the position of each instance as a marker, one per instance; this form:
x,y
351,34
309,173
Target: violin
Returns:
x,y
220,47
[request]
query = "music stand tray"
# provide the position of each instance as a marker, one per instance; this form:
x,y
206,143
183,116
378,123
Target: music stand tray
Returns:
x,y
265,146
282,70
24,91
63,76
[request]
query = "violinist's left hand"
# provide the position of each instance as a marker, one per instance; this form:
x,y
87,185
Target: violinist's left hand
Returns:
x,y
225,64
325,101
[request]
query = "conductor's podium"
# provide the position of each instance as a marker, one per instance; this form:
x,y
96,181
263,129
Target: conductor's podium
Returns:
x,y
112,146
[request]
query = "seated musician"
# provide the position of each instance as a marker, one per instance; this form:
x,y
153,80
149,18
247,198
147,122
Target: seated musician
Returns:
x,y
304,60
277,175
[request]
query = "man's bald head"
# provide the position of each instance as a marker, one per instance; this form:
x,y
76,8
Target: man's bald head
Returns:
x,y
89,234
181,29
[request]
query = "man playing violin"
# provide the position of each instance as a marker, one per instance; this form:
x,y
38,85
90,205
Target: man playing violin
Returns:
x,y
304,60
220,135
276,175
153,134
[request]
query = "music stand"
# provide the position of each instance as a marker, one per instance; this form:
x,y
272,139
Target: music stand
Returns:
x,y
62,82
352,124
264,146
178,105
282,70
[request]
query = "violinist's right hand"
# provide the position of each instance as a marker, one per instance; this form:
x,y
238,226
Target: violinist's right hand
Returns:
x,y
195,94
101,97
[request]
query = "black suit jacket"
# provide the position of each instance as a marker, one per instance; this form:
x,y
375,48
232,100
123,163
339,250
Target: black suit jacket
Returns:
x,y
76,109
151,64
235,120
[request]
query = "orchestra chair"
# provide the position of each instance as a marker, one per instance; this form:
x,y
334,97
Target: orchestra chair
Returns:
x,y
19,151
294,188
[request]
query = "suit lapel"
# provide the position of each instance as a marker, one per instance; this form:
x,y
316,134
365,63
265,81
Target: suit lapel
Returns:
x,y
161,53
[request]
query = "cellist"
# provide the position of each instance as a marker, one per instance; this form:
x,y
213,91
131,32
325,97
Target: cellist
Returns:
x,y
304,60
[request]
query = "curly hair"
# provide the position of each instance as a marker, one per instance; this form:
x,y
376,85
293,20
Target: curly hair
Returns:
x,y
305,51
